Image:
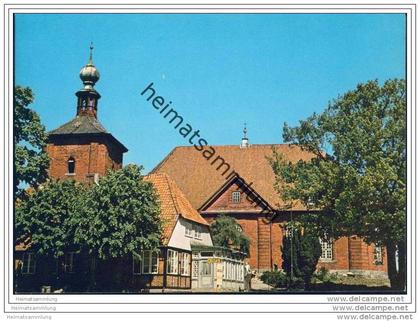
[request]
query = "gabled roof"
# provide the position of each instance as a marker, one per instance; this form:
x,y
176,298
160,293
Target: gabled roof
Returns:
x,y
85,125
173,204
199,179
256,199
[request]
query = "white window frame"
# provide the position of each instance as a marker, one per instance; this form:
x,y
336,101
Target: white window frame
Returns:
x,y
184,264
327,250
189,232
152,258
172,262
197,232
139,268
236,197
28,263
69,262
289,230
378,255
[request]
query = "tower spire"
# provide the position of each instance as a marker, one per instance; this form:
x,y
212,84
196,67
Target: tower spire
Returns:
x,y
90,54
87,97
244,141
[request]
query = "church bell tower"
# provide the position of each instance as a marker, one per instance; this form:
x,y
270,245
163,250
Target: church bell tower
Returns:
x,y
82,149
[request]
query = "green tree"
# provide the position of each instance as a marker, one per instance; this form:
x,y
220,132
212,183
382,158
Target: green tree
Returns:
x,y
357,178
122,215
300,253
291,245
309,255
30,160
121,218
228,233
47,216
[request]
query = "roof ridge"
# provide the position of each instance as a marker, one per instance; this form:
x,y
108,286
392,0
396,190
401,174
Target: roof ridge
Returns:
x,y
232,145
96,123
160,164
65,124
174,201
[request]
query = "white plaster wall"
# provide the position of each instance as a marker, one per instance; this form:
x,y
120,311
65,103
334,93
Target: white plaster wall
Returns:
x,y
180,241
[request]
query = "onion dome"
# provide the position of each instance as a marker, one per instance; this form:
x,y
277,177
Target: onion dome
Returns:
x,y
89,74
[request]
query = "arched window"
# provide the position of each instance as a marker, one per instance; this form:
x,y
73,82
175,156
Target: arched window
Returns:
x,y
71,166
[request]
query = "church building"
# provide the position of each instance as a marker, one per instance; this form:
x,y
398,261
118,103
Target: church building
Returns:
x,y
193,193
248,195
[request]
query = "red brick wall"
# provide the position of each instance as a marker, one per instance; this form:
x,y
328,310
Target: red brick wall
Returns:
x,y
362,256
276,244
90,157
265,252
340,259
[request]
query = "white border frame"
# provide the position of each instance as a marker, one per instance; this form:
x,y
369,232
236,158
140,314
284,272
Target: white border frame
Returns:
x,y
304,303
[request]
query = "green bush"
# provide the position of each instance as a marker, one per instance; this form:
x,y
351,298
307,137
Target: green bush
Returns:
x,y
300,253
276,279
322,275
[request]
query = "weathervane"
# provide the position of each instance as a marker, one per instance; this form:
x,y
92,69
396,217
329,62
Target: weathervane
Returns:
x,y
91,51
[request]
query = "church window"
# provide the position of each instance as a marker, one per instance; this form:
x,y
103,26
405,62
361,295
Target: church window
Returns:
x,y
71,165
326,250
377,254
236,197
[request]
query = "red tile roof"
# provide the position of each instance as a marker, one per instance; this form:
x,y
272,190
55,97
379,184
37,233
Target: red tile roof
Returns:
x,y
199,179
173,204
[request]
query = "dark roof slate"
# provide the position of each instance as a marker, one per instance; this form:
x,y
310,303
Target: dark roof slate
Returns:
x,y
85,125
80,125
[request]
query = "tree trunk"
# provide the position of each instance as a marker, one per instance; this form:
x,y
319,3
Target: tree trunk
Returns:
x,y
397,278
92,274
402,266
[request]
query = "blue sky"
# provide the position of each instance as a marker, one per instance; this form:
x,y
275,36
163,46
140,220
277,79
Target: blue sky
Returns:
x,y
219,70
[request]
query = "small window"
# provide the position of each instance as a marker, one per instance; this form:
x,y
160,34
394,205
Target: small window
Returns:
x,y
28,263
288,231
69,262
377,254
197,232
236,197
189,229
326,250
71,166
